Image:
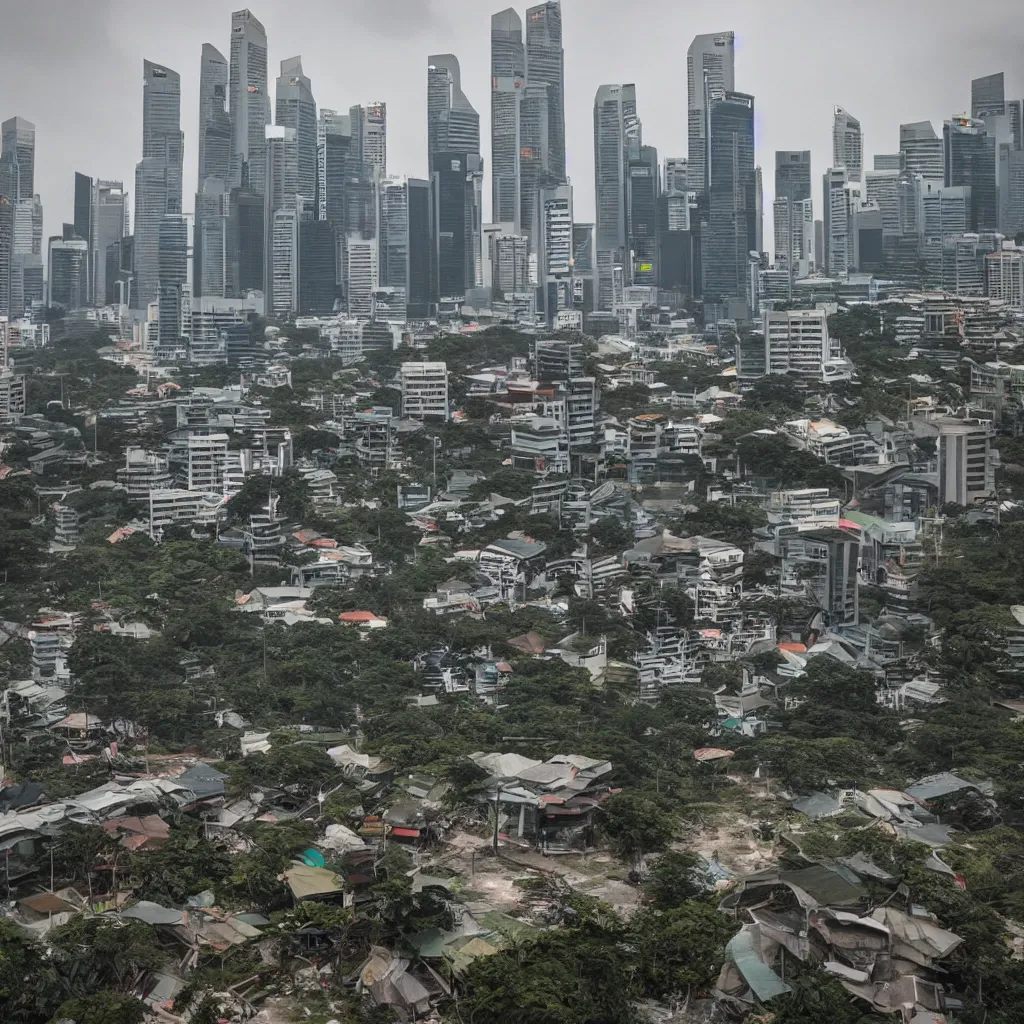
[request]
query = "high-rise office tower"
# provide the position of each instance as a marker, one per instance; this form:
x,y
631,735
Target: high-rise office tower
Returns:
x,y
249,101
988,96
584,271
212,210
296,109
333,157
793,174
6,254
922,150
534,156
847,144
453,140
246,264
370,137
732,197
158,176
1011,191
836,229
453,125
19,154
214,120
108,221
614,114
281,246
68,271
677,176
509,258
404,244
970,161
393,234
642,216
545,65
23,258
421,289
283,262
362,276
211,238
83,206
710,69
794,236
318,267
555,249
792,187
457,179
508,78
173,272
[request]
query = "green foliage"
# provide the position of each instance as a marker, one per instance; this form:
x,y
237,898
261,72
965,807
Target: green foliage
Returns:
x,y
28,992
674,879
733,524
773,457
681,948
94,954
102,1008
635,825
817,997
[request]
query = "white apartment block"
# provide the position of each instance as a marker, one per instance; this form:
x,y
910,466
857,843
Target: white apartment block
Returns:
x,y
363,276
797,341
206,458
12,396
144,472
1005,273
966,464
425,391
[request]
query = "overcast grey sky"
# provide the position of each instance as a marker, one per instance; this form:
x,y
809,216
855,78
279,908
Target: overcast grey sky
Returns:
x,y
74,67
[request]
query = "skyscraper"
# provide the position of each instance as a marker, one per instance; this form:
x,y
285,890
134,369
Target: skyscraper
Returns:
x,y
847,144
508,78
107,223
732,197
677,175
68,272
555,245
6,254
453,125
988,96
333,156
642,216
404,250
710,68
214,120
370,137
838,253
249,103
318,270
792,189
614,110
456,168
212,210
457,178
83,206
534,156
281,246
922,150
173,273
296,109
19,153
793,174
545,65
158,175
970,161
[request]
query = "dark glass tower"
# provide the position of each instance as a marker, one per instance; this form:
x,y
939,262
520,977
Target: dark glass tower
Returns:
x,y
732,206
545,65
970,160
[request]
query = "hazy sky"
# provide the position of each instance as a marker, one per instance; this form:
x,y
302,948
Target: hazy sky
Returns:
x,y
74,67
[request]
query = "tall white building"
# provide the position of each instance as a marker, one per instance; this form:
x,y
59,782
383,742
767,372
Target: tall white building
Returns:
x,y
797,341
425,391
555,262
794,236
363,275
847,144
206,457
710,69
1004,271
284,263
838,248
966,466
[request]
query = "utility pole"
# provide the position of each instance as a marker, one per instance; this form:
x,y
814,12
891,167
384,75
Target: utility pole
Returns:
x,y
497,811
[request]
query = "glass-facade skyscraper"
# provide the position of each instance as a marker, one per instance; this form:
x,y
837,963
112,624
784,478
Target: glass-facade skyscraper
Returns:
x,y
710,69
249,102
508,80
545,66
158,176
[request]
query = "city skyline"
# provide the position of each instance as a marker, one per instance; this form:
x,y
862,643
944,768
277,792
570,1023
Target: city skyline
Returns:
x,y
74,134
